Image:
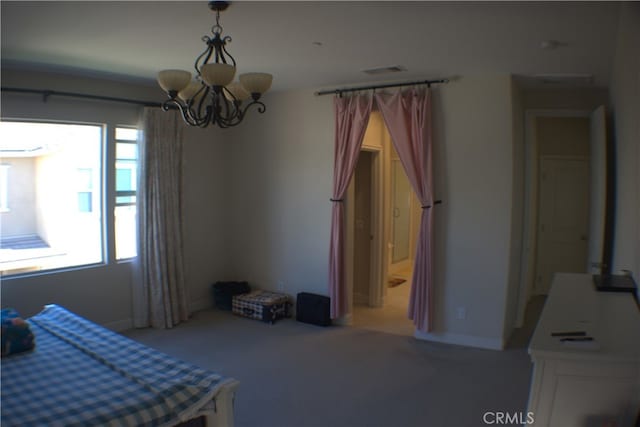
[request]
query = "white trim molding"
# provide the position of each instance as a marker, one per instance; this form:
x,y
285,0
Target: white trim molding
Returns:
x,y
346,320
199,305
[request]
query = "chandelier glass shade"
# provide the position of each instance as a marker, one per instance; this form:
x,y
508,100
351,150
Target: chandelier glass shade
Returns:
x,y
212,97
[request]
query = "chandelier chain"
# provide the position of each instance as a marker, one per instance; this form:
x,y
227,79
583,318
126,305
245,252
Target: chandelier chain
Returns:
x,y
217,28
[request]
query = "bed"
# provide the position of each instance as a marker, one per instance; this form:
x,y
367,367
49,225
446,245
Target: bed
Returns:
x,y
81,374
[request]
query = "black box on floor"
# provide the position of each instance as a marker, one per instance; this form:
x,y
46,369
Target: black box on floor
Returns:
x,y
312,308
223,293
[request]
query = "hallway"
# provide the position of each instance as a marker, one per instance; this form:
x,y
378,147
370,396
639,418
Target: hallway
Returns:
x,y
392,318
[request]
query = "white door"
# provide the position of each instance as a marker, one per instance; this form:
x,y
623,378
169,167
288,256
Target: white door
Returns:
x,y
563,218
401,219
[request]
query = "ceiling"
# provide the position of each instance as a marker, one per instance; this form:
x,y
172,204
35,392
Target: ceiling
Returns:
x,y
134,40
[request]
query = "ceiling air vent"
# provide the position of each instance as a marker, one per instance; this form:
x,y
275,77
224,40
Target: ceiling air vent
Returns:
x,y
385,70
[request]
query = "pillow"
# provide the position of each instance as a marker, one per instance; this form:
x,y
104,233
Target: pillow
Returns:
x,y
16,334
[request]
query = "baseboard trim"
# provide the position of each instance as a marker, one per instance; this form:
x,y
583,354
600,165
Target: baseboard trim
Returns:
x,y
119,325
125,324
459,339
199,305
346,320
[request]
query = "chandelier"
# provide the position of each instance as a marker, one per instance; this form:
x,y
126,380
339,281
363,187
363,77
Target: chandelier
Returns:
x,y
213,97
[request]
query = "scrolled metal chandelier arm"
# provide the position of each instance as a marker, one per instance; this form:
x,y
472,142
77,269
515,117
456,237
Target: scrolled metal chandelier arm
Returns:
x,y
212,98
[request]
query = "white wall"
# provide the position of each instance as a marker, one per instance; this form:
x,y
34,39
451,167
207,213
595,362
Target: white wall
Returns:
x,y
586,98
625,99
282,183
473,161
103,293
207,210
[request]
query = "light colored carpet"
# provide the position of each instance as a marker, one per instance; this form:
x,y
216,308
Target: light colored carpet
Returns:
x,y
296,375
392,318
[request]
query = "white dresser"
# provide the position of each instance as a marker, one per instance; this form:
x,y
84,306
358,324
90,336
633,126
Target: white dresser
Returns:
x,y
584,383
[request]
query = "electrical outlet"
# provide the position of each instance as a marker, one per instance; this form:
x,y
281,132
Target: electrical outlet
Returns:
x,y
461,313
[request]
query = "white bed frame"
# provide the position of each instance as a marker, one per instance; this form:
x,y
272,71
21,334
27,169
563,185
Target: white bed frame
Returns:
x,y
219,412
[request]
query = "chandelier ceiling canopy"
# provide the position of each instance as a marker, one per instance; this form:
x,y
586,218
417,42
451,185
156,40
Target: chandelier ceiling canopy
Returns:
x,y
213,97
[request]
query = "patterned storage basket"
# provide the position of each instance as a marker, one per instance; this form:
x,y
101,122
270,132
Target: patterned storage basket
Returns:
x,y
262,305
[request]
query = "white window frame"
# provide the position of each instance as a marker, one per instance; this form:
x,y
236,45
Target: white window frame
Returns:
x,y
106,182
128,193
4,187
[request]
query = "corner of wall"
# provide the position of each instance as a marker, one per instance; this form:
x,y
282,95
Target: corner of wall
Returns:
x,y
512,294
625,102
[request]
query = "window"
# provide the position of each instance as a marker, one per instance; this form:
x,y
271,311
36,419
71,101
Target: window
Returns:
x,y
4,188
56,190
126,186
55,218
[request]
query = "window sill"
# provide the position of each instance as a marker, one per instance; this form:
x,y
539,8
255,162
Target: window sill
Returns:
x,y
61,270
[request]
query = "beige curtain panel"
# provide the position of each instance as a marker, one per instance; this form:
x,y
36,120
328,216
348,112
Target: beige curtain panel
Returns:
x,y
160,294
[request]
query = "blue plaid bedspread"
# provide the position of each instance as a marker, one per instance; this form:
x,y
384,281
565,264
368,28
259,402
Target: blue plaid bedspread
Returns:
x,y
81,374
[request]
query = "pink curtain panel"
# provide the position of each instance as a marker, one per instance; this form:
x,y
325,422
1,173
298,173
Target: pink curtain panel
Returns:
x,y
408,118
352,117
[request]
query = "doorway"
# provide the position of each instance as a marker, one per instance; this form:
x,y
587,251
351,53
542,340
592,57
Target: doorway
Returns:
x,y
404,223
558,220
380,239
363,230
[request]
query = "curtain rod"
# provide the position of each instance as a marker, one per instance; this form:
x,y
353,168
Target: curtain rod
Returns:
x,y
47,93
381,86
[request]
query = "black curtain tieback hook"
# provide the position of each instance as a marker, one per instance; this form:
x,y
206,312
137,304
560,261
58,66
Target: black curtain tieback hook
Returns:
x,y
337,200
437,202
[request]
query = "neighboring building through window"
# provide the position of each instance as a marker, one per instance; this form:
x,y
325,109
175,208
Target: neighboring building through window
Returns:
x,y
85,190
52,187
54,220
126,192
